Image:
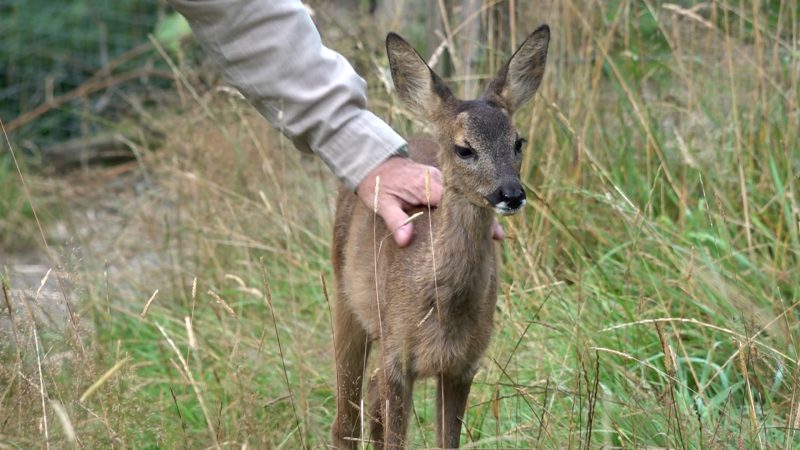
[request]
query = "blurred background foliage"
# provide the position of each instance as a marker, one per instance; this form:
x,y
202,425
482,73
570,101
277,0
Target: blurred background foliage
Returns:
x,y
51,48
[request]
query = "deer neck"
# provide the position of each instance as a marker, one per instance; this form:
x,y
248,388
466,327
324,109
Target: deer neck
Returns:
x,y
461,220
462,240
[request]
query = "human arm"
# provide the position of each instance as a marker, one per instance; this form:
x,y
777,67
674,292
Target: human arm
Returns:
x,y
272,52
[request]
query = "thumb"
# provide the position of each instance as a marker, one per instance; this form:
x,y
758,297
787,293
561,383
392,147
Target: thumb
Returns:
x,y
394,216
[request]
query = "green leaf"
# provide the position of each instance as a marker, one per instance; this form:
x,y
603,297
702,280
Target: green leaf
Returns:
x,y
171,30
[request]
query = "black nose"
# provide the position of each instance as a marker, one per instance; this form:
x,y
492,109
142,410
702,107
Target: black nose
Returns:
x,y
510,193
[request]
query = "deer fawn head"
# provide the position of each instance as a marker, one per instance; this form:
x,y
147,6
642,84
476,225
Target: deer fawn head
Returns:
x,y
480,150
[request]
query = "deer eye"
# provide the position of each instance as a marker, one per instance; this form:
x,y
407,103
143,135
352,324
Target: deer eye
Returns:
x,y
518,145
465,152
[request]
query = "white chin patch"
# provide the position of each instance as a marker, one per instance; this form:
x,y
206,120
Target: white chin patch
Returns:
x,y
503,209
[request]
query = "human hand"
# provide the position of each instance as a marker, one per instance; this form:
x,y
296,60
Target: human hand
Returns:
x,y
403,187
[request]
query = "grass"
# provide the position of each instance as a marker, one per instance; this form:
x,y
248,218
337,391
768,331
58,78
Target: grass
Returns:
x,y
648,295
15,209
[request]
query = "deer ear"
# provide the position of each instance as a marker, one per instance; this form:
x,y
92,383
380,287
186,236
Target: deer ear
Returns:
x,y
517,81
417,84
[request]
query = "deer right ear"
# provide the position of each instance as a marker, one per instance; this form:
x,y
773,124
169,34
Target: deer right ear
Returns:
x,y
417,84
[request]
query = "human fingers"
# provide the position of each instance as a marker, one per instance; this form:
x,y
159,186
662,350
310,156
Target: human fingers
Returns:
x,y
390,209
497,231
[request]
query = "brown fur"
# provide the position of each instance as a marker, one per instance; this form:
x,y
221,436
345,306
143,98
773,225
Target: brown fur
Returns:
x,y
434,320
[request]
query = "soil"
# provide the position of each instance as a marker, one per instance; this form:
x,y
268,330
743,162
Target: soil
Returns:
x,y
97,207
32,290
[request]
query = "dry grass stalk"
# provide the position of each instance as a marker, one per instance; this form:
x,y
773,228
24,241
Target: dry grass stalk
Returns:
x,y
148,303
222,303
195,386
66,423
749,393
268,302
103,379
190,333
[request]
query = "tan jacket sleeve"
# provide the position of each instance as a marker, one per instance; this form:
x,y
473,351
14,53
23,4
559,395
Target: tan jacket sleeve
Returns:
x,y
271,51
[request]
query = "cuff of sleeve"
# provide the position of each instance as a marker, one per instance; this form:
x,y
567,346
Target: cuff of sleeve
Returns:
x,y
359,146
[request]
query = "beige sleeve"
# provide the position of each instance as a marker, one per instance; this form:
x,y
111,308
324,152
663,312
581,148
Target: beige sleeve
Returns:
x,y
271,51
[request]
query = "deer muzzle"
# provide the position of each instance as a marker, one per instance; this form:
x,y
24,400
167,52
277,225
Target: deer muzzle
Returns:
x,y
508,198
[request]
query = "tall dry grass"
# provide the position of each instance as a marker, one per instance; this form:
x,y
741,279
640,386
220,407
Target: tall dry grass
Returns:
x,y
648,295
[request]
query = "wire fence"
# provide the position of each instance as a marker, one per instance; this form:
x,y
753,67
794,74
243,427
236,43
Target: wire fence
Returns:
x,y
55,54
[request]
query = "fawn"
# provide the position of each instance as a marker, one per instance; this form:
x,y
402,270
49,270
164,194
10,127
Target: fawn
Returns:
x,y
429,306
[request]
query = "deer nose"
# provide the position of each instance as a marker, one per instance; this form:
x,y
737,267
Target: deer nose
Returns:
x,y
510,195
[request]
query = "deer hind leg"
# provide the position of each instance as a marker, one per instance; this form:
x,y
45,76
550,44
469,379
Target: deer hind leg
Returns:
x,y
351,348
389,406
451,402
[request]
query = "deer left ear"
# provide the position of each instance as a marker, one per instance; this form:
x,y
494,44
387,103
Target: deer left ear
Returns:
x,y
517,81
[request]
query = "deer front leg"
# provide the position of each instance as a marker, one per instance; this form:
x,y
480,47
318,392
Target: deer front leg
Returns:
x,y
351,348
389,405
451,401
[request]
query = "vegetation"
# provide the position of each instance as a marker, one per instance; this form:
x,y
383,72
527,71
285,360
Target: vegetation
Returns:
x,y
648,296
15,210
51,49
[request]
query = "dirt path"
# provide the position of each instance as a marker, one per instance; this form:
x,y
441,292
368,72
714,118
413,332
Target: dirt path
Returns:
x,y
30,286
88,242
